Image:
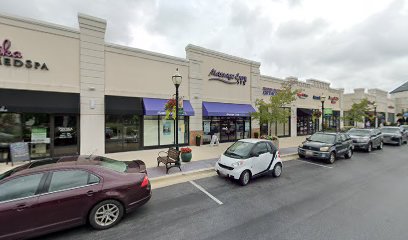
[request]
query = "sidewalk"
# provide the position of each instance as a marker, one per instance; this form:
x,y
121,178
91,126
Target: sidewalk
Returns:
x,y
204,157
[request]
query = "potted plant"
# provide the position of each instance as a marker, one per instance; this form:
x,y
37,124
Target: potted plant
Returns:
x,y
186,154
256,134
198,140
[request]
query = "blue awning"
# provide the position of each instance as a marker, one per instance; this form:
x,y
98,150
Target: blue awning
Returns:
x,y
227,109
155,106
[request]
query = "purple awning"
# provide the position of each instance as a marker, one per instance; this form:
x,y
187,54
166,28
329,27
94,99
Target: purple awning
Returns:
x,y
155,106
227,109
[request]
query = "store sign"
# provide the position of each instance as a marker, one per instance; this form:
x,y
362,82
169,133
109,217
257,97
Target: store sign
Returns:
x,y
19,151
302,95
390,107
3,109
328,111
15,58
269,91
333,100
65,132
316,97
39,135
228,78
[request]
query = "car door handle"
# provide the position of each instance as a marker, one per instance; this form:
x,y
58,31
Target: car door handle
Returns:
x,y
21,207
90,193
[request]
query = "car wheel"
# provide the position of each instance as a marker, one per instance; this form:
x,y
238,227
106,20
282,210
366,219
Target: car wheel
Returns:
x,y
349,154
399,142
332,157
244,178
380,146
106,214
369,147
277,170
301,156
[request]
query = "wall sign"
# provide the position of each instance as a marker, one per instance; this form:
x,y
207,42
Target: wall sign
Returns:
x,y
316,97
302,95
328,111
229,78
19,151
333,99
269,91
14,58
390,107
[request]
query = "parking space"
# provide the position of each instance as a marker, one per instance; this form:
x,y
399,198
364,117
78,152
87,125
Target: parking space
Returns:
x,y
268,207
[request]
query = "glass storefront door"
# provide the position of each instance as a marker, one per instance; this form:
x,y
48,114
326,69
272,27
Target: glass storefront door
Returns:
x,y
228,130
65,135
122,133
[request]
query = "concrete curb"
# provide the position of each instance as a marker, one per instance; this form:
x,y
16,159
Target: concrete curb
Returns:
x,y
176,178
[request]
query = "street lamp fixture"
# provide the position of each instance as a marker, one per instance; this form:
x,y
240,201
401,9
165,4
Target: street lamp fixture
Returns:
x,y
177,79
322,99
375,114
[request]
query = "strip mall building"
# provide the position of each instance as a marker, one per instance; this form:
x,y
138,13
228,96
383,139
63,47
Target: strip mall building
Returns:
x,y
67,91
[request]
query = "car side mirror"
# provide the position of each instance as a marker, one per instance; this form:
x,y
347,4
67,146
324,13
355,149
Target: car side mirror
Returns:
x,y
308,138
255,154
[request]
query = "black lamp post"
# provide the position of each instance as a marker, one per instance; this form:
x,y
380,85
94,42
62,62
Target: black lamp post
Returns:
x,y
176,78
375,115
322,99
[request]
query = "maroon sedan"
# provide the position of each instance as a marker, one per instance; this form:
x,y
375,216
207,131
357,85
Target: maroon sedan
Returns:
x,y
50,195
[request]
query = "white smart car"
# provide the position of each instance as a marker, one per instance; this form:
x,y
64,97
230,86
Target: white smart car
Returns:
x,y
249,158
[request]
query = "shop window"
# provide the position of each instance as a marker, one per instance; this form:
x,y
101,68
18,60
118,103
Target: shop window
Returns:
x,y
65,135
36,131
122,133
167,133
10,128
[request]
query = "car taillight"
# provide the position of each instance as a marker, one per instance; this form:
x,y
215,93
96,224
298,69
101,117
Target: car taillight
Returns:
x,y
278,154
145,182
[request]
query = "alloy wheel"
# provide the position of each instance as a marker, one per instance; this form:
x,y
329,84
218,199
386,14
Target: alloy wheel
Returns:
x,y
278,170
332,157
106,214
246,177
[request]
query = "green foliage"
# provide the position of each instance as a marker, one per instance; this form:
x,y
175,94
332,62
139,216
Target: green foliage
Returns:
x,y
273,111
358,111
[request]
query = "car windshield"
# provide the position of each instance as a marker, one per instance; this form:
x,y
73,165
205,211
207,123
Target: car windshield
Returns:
x,y
239,149
323,138
112,164
390,130
405,127
359,132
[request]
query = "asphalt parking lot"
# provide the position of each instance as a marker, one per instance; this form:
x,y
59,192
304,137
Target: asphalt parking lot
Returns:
x,y
359,198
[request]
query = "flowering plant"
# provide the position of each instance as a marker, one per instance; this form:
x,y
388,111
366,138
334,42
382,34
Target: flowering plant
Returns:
x,y
170,108
316,114
185,150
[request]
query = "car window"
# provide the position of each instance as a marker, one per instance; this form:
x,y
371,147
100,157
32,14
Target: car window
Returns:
x,y
62,180
260,148
340,138
20,187
344,136
269,147
323,138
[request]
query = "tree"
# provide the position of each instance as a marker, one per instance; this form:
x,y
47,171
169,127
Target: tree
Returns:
x,y
273,111
358,111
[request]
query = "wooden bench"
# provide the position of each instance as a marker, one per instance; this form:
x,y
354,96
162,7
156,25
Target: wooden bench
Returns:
x,y
171,158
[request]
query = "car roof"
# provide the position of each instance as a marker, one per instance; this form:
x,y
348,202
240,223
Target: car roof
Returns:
x,y
328,133
253,140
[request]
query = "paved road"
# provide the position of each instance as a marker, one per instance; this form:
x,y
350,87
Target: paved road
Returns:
x,y
362,198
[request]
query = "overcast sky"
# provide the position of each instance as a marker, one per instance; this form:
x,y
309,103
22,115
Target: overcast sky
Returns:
x,y
349,43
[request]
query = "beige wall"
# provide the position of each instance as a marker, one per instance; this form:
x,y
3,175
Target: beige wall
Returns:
x,y
134,72
401,101
56,46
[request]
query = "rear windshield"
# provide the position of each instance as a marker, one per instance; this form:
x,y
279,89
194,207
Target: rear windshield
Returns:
x,y
112,164
359,132
324,138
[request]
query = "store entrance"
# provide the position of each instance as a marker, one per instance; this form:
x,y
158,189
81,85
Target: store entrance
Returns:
x,y
228,129
65,135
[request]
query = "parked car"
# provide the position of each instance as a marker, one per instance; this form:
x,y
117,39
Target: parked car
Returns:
x,y
55,194
366,139
249,158
326,146
405,127
394,135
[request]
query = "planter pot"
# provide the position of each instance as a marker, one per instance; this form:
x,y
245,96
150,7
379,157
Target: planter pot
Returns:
x,y
186,157
198,140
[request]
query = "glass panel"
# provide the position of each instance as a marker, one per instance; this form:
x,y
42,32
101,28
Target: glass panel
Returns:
x,y
167,133
247,128
215,127
183,130
66,138
207,130
10,127
131,132
36,130
150,129
113,134
240,129
280,129
68,179
20,187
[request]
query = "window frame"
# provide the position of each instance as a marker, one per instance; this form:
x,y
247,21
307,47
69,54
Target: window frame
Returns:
x,y
37,192
47,184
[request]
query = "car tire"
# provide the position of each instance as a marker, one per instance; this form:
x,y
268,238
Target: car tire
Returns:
x,y
369,147
106,214
380,147
349,154
277,170
244,178
301,156
332,158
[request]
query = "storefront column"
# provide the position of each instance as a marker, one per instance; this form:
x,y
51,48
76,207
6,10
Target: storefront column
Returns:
x,y
341,119
256,93
92,84
293,122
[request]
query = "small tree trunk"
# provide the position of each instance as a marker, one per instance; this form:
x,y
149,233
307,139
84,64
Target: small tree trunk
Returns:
x,y
269,128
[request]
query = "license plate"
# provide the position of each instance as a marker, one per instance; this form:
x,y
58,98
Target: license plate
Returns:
x,y
309,153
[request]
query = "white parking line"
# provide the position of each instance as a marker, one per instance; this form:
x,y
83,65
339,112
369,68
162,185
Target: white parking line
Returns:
x,y
204,191
313,163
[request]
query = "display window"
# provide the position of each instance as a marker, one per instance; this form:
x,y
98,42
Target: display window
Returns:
x,y
227,129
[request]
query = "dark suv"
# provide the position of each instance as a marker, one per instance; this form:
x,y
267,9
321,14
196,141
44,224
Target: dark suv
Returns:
x,y
326,146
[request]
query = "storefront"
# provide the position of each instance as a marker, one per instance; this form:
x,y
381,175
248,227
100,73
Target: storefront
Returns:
x,y
306,125
332,120
47,121
229,122
159,131
277,128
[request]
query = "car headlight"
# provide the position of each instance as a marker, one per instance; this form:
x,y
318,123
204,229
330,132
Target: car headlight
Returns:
x,y
301,145
324,149
237,164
